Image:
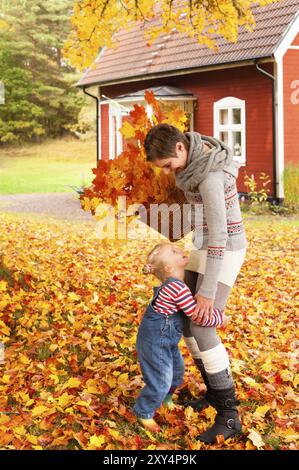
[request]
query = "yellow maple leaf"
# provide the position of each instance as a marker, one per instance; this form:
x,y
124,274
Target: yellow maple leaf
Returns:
x,y
3,286
290,435
32,439
97,441
4,329
29,402
123,378
296,381
84,403
261,411
127,130
73,296
149,434
6,378
286,375
4,419
92,386
20,430
24,359
65,399
73,382
114,434
39,410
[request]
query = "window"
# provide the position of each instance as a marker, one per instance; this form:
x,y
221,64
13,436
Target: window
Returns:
x,y
116,114
229,125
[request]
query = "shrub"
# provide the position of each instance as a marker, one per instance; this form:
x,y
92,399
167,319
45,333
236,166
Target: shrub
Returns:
x,y
291,186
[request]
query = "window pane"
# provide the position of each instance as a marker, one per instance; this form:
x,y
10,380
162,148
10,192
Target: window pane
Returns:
x,y
236,116
223,116
237,144
224,137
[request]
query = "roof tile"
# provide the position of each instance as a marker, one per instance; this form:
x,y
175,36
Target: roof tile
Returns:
x,y
179,52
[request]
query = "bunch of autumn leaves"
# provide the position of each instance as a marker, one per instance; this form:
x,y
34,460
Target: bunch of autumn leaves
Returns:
x,y
129,174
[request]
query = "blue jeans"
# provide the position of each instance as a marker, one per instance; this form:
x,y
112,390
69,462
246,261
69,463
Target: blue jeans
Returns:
x,y
160,359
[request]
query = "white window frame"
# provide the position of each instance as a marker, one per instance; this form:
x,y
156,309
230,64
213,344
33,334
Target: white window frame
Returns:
x,y
229,103
117,112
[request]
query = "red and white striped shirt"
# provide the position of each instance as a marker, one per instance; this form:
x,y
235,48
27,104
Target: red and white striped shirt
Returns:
x,y
176,296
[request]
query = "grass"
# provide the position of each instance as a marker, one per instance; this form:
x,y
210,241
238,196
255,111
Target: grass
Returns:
x,y
258,221
291,184
48,167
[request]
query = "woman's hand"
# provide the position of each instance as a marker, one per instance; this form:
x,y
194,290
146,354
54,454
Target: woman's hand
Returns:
x,y
205,309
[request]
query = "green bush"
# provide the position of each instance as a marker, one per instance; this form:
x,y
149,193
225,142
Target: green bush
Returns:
x,y
291,186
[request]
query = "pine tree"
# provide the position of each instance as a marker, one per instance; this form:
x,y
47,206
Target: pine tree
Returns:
x,y
40,97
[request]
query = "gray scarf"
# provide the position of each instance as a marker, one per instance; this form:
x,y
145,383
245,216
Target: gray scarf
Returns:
x,y
200,161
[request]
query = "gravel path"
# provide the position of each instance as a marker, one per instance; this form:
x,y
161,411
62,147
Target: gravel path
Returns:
x,y
63,206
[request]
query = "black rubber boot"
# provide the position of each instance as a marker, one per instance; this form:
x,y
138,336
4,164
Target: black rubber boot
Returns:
x,y
227,422
200,403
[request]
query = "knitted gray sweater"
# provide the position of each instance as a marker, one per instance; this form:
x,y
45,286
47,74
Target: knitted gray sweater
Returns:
x,y
218,222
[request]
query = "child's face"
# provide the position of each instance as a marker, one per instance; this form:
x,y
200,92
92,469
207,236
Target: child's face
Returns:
x,y
173,164
174,257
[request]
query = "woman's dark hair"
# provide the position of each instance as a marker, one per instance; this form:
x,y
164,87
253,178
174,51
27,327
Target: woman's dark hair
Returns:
x,y
161,140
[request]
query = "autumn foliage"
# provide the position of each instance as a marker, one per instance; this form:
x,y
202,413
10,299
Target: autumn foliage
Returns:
x,y
129,174
70,306
95,23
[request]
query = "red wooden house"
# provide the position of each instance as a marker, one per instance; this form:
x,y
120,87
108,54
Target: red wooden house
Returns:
x,y
246,94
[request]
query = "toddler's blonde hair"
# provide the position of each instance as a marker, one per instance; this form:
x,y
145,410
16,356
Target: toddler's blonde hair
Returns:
x,y
154,263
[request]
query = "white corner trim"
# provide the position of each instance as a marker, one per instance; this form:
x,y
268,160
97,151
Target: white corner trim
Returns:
x,y
279,106
115,123
288,37
100,124
112,131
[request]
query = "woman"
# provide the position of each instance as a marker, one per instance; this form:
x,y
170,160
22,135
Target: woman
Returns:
x,y
204,169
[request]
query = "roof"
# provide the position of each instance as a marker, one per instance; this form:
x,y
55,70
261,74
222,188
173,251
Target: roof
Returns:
x,y
133,59
159,92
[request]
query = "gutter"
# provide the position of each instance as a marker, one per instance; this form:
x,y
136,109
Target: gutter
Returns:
x,y
97,114
271,77
175,73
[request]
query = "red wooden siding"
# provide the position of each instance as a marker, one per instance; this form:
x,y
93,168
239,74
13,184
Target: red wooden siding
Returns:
x,y
296,41
245,83
291,104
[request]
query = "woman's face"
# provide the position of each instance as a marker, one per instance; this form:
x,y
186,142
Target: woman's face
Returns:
x,y
173,164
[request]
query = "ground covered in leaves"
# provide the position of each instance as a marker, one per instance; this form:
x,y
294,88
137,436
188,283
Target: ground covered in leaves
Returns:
x,y
70,305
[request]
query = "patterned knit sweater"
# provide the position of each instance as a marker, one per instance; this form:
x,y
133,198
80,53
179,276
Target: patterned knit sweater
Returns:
x,y
218,224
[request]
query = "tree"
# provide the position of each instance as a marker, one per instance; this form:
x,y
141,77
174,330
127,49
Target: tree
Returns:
x,y
40,97
95,22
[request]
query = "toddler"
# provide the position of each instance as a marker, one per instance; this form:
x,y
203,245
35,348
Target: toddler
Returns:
x,y
161,329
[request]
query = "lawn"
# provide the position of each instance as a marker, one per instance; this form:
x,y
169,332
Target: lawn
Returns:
x,y
70,306
52,166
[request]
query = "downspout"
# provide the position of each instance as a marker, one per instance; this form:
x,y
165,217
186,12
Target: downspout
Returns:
x,y
267,74
97,114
